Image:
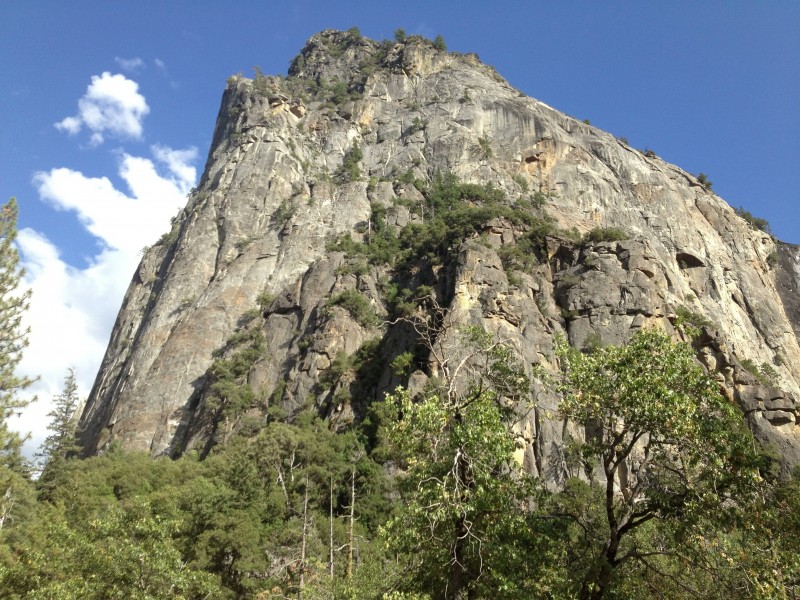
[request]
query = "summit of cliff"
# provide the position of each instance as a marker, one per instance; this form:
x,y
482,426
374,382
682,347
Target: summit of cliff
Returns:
x,y
380,179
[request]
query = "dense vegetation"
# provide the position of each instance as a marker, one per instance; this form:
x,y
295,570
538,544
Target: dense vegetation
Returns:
x,y
294,509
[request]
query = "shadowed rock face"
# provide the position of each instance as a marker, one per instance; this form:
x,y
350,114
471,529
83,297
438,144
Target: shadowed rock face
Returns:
x,y
273,197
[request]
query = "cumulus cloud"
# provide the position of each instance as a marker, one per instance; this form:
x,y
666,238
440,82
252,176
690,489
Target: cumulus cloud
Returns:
x,y
129,64
111,105
73,308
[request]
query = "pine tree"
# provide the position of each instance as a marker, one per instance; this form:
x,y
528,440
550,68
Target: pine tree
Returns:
x,y
61,443
13,339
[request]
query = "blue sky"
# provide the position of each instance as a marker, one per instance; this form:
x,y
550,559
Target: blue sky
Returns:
x,y
135,88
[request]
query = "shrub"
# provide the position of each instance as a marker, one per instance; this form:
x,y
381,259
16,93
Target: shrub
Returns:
x,y
703,180
349,170
355,303
400,35
417,125
605,234
753,221
694,320
439,43
486,146
264,299
403,363
284,212
521,182
260,82
772,259
764,373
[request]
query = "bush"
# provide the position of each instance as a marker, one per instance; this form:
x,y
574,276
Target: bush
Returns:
x,y
753,221
764,373
694,320
355,303
605,234
703,180
439,43
486,146
349,169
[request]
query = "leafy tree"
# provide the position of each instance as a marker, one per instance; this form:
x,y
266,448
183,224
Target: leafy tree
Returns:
x,y
400,35
462,526
664,445
13,340
123,553
439,43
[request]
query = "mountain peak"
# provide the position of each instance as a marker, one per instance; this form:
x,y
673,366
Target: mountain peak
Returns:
x,y
396,176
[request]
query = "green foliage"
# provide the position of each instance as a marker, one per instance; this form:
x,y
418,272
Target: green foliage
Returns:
x,y
359,307
260,82
452,212
521,182
417,124
461,493
485,145
122,553
349,170
171,236
13,340
765,373
650,409
61,442
265,299
231,526
539,200
400,35
403,363
772,259
753,221
703,180
692,322
605,234
227,377
352,37
285,211
439,43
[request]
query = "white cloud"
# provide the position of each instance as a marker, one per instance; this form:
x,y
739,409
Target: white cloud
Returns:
x,y
73,309
160,64
129,64
112,105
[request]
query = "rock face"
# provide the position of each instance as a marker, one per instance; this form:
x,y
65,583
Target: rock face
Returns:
x,y
353,134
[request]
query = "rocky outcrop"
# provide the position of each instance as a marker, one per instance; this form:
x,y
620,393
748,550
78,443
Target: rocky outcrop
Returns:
x,y
349,136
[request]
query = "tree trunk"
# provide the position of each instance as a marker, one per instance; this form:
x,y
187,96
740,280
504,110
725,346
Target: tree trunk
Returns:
x,y
352,520
303,546
330,538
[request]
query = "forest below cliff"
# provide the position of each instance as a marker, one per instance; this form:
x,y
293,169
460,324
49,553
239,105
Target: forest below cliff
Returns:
x,y
424,499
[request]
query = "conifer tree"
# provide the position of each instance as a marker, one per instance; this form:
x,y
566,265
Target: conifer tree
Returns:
x,y
13,339
60,444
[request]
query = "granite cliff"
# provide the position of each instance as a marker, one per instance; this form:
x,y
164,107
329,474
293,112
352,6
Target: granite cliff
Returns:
x,y
264,284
